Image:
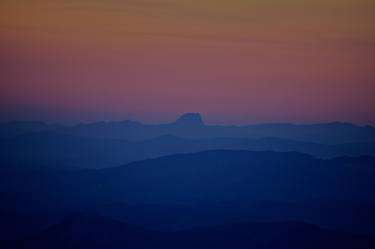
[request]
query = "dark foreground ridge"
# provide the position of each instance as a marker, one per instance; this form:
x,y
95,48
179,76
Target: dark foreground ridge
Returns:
x,y
204,188
92,231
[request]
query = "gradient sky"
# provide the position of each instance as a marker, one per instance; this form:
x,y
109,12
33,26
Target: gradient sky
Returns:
x,y
235,61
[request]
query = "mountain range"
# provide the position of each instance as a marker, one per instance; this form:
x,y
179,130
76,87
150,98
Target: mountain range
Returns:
x,y
186,184
336,193
37,145
191,125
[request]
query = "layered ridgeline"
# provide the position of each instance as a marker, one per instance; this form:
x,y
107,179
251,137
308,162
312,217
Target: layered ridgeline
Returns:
x,y
191,125
186,185
205,188
108,144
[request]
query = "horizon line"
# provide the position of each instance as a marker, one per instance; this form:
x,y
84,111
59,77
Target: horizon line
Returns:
x,y
76,123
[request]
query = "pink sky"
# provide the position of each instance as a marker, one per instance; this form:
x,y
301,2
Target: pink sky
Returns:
x,y
233,61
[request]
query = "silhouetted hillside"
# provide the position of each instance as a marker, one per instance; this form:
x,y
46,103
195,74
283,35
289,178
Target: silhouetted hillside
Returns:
x,y
207,176
198,179
90,231
181,191
344,216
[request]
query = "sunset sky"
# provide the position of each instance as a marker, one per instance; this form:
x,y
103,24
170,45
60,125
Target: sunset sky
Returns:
x,y
235,61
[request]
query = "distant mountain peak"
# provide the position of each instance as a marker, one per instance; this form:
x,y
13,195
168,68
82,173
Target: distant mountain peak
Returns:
x,y
190,119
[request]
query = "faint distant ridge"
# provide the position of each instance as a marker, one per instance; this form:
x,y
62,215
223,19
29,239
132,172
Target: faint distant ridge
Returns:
x,y
190,119
192,126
